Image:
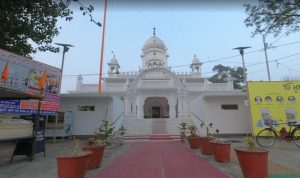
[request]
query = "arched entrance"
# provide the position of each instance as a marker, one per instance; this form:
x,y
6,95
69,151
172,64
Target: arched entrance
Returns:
x,y
156,107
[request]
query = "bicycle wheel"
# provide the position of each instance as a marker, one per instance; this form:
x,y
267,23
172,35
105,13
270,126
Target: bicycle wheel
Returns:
x,y
266,137
296,136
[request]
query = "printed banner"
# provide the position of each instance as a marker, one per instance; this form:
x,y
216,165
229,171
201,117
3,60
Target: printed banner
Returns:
x,y
273,103
28,107
32,77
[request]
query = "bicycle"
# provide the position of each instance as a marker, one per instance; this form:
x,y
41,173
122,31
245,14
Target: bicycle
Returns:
x,y
268,136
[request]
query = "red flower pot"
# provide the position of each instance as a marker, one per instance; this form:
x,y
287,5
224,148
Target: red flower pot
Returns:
x,y
200,142
96,157
193,141
253,162
182,138
221,151
205,147
72,166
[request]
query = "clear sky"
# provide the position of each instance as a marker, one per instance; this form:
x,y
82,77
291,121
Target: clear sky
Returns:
x,y
209,30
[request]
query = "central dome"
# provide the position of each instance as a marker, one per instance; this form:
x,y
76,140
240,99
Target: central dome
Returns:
x,y
154,42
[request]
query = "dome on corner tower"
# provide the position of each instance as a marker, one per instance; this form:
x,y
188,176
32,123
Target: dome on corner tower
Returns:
x,y
195,60
114,60
154,42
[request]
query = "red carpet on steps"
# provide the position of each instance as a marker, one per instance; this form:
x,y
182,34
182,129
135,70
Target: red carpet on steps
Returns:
x,y
159,160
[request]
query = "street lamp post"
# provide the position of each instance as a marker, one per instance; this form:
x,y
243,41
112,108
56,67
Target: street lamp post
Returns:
x,y
241,49
66,48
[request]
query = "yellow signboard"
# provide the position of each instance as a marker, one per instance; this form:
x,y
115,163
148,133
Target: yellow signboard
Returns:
x,y
273,103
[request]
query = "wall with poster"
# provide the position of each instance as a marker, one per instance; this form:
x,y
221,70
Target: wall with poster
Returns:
x,y
23,74
273,103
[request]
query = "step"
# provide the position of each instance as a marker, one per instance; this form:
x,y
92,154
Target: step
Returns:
x,y
152,137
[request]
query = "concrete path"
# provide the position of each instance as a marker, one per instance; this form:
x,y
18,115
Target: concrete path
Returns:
x,y
159,160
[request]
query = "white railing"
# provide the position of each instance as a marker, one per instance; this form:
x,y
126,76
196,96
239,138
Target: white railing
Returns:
x,y
219,86
155,84
117,123
114,87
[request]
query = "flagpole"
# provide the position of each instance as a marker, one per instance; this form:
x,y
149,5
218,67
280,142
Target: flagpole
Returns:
x,y
102,49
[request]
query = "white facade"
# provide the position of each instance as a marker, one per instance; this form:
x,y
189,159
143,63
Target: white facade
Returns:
x,y
155,91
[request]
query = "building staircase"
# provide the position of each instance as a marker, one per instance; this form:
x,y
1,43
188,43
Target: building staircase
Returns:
x,y
152,129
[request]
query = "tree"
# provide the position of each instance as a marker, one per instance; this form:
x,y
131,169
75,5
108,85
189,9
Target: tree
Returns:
x,y
289,78
273,16
30,25
223,72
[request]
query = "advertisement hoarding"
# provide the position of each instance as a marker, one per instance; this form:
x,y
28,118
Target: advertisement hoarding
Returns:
x,y
23,74
273,103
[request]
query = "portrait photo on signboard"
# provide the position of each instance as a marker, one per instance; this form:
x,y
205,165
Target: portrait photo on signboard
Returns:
x,y
258,99
266,119
34,78
268,99
52,84
291,99
291,114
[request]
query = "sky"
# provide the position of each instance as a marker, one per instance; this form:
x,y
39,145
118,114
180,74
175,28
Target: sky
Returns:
x,y
209,30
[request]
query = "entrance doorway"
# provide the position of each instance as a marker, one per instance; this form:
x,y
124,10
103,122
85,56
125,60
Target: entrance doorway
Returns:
x,y
156,107
155,112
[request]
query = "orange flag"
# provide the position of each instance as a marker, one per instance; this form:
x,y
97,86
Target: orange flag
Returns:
x,y
42,81
4,76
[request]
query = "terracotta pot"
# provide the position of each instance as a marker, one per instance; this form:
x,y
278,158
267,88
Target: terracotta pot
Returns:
x,y
221,151
253,161
182,138
96,157
193,141
73,166
200,142
205,147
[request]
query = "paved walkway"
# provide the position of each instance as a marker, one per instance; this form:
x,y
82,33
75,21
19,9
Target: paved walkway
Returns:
x,y
159,160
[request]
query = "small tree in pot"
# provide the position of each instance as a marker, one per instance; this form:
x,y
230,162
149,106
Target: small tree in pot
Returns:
x,y
205,141
97,150
183,128
220,149
73,164
193,137
121,132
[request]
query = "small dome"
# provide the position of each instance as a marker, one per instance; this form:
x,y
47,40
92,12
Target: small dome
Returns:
x,y
195,60
154,42
114,60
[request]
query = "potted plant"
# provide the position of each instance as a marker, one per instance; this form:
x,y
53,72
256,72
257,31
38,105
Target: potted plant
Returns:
x,y
193,137
204,142
74,164
105,133
97,151
253,160
220,149
121,133
183,128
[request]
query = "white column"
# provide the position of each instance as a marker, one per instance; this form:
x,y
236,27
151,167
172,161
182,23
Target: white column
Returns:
x,y
140,108
183,105
172,104
126,106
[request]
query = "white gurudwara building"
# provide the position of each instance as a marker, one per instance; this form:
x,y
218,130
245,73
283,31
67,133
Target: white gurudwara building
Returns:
x,y
155,100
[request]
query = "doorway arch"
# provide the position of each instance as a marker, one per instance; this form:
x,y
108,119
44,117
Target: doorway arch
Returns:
x,y
156,107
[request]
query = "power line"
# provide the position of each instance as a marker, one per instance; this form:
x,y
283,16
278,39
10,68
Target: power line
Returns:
x,y
288,67
274,59
215,60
